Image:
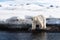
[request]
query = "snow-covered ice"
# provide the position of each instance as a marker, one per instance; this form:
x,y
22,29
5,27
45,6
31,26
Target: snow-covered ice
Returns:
x,y
7,11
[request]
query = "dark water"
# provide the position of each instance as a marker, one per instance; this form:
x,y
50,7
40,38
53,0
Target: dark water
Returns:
x,y
28,36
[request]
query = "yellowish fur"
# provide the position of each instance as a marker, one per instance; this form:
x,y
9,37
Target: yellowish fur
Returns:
x,y
40,20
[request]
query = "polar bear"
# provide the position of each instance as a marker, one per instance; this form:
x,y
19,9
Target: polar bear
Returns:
x,y
40,20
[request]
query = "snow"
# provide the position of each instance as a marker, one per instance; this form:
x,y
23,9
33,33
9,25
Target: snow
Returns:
x,y
21,11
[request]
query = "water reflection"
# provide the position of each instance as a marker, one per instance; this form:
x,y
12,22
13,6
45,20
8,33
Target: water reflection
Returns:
x,y
28,36
40,36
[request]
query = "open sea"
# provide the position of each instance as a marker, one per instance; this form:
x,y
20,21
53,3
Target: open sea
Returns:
x,y
4,35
